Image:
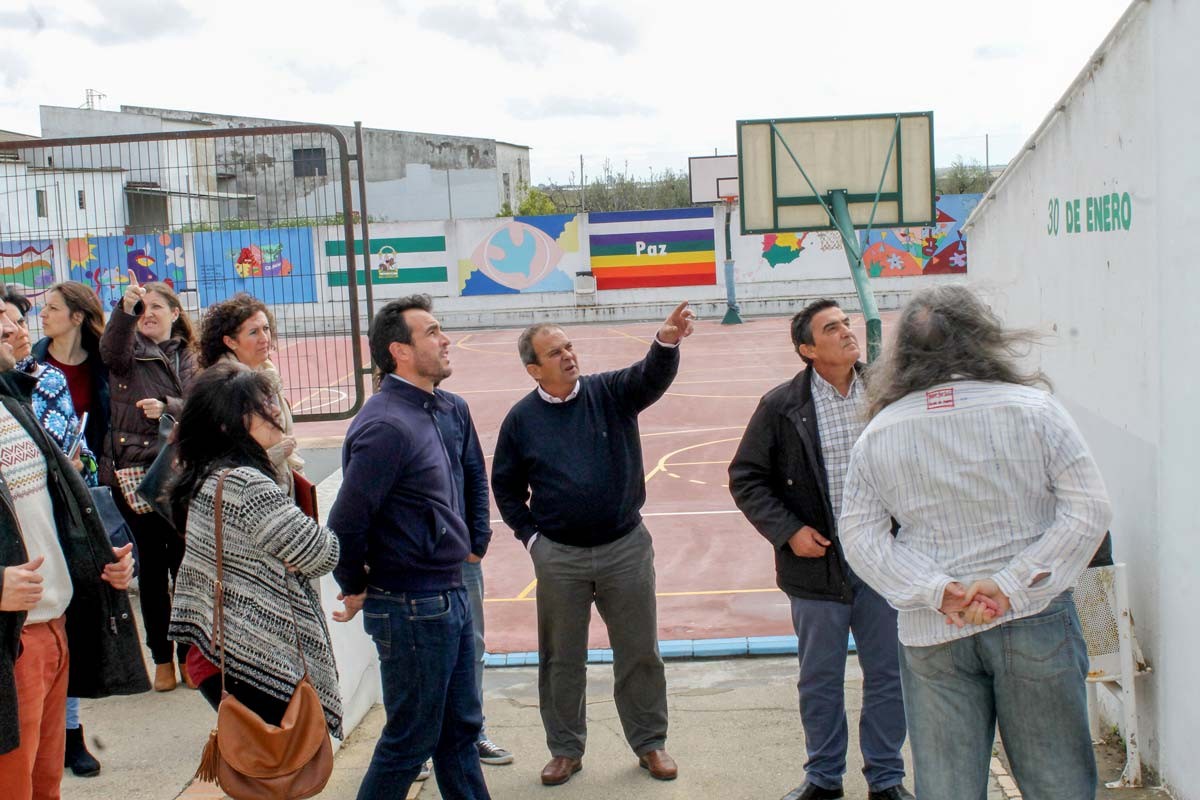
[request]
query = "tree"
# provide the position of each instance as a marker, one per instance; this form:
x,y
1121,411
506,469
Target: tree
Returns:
x,y
534,203
964,178
620,191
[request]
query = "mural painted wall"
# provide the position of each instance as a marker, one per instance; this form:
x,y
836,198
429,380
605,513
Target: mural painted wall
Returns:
x,y
940,249
104,262
400,255
518,255
637,249
28,263
275,265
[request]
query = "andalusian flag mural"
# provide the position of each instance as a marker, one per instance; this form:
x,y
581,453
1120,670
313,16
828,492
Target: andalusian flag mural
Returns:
x,y
635,249
398,255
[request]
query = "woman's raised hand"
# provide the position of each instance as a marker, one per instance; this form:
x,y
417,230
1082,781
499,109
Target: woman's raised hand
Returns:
x,y
133,295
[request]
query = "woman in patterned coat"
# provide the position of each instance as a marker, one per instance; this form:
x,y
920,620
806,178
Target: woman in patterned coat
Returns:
x,y
271,552
54,408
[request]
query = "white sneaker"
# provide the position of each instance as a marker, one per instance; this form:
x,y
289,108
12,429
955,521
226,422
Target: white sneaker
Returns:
x,y
492,753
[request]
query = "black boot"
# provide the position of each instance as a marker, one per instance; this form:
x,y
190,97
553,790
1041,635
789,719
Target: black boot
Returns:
x,y
77,758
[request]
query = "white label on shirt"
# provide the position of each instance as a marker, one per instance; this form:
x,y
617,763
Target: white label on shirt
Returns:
x,y
937,399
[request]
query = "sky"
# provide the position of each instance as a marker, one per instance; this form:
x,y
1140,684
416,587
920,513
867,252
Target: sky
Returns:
x,y
641,84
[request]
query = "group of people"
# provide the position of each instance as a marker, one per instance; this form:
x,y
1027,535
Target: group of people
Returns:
x,y
938,506
83,418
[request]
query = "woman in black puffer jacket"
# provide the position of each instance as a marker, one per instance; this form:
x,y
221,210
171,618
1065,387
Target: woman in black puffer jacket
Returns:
x,y
149,349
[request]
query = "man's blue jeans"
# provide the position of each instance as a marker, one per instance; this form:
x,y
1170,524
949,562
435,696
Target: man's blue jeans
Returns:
x,y
473,582
823,628
426,657
1028,676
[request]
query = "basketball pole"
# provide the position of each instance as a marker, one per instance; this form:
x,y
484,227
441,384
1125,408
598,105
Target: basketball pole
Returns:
x,y
862,283
732,315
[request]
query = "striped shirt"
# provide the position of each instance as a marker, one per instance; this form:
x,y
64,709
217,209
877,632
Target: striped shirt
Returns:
x,y
840,420
987,480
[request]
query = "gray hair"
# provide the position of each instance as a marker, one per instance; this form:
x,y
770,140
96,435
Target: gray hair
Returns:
x,y
947,333
525,343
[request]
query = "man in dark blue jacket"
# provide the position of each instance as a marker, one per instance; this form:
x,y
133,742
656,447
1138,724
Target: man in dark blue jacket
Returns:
x,y
399,519
569,481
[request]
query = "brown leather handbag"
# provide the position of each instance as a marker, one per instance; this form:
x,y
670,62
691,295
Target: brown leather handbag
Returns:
x,y
251,759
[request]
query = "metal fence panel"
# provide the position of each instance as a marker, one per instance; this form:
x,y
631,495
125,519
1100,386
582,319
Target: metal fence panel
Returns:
x,y
212,212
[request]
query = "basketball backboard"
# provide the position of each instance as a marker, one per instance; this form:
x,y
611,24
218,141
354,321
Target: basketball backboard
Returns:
x,y
713,178
889,156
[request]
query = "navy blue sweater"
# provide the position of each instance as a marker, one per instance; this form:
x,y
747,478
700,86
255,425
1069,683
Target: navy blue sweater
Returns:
x,y
572,471
398,512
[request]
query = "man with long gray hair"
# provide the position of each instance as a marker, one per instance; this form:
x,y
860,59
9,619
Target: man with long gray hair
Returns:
x,y
1000,507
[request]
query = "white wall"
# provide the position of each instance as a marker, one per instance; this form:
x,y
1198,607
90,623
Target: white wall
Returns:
x,y
64,218
1122,325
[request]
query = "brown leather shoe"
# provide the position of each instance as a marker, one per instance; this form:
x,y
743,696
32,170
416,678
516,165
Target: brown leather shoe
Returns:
x,y
560,769
660,765
164,677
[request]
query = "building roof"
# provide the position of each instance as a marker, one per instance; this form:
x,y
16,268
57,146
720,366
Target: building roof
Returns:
x,y
13,136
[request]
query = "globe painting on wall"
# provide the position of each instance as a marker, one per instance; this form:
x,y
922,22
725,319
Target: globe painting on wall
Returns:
x,y
524,254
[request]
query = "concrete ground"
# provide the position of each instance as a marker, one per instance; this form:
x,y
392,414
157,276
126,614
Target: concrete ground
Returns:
x,y
735,732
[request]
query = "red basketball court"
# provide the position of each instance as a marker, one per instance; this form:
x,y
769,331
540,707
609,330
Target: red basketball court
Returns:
x,y
715,573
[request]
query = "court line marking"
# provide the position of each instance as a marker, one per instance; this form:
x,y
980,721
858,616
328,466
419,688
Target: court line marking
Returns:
x,y
665,514
525,592
675,383
661,466
694,593
695,463
348,376
694,430
337,396
718,396
631,336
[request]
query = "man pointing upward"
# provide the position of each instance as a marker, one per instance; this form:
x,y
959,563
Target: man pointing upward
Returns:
x,y
568,479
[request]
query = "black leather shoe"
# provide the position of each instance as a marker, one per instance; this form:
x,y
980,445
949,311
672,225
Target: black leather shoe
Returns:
x,y
897,792
810,791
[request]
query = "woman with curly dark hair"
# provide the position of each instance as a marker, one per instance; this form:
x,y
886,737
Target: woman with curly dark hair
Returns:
x,y
239,330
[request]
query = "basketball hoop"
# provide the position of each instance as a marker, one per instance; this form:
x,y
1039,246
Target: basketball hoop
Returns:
x,y
730,200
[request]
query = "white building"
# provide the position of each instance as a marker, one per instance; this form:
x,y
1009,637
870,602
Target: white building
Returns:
x,y
1085,236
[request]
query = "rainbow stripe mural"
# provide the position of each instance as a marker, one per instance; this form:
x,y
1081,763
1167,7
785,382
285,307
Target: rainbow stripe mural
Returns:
x,y
639,249
27,263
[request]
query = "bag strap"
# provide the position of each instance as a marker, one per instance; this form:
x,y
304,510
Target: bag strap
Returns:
x,y
219,587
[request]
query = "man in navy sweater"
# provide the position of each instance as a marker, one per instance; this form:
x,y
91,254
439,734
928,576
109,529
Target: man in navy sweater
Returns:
x,y
569,481
399,519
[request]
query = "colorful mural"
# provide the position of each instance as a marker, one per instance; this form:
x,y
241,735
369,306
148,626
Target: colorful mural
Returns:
x,y
394,259
274,264
104,262
940,249
522,255
637,249
27,263
782,248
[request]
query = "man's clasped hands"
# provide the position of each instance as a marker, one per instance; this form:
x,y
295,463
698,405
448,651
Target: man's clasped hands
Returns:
x,y
977,604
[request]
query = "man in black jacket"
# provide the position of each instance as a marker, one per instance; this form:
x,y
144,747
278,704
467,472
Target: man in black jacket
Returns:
x,y
787,479
61,595
568,479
